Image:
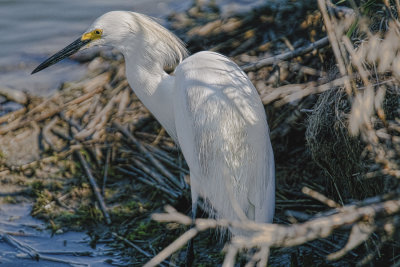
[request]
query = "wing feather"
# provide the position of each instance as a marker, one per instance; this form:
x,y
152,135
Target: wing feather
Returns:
x,y
223,133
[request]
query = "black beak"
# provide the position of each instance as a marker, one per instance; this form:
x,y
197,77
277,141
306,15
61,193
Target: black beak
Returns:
x,y
66,52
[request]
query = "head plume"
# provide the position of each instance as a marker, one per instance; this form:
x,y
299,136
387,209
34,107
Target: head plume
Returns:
x,y
133,31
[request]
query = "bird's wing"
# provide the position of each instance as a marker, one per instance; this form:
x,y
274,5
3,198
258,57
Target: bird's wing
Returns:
x,y
223,133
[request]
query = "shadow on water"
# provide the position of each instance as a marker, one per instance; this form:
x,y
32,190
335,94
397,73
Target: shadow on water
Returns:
x,y
21,235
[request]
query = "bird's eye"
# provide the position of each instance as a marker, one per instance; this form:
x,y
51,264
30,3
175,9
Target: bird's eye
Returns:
x,y
97,32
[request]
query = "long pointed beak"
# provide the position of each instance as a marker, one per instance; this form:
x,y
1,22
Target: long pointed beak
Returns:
x,y
66,52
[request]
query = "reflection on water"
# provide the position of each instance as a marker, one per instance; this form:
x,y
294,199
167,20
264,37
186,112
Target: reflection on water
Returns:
x,y
19,232
32,30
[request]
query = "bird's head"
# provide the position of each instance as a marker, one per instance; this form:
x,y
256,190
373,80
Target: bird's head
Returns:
x,y
110,29
122,30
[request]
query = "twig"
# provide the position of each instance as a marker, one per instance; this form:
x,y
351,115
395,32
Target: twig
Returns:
x,y
165,158
14,95
263,256
146,181
20,246
33,164
174,246
274,235
137,248
28,120
153,136
46,258
67,253
124,102
285,56
334,43
172,215
108,157
12,115
298,215
94,185
159,137
36,255
321,198
336,246
51,112
285,236
149,171
230,256
46,132
97,89
309,90
71,121
98,121
151,158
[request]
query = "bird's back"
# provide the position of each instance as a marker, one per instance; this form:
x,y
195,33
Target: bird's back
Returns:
x,y
223,133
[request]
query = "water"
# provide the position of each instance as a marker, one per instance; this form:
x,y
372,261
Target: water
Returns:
x,y
32,30
16,220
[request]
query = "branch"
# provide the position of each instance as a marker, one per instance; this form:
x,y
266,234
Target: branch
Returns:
x,y
274,235
14,95
94,185
285,56
149,156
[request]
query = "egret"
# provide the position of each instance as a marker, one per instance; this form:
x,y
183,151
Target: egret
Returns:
x,y
207,105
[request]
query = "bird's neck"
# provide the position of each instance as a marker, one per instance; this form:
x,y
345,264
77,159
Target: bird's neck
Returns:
x,y
153,86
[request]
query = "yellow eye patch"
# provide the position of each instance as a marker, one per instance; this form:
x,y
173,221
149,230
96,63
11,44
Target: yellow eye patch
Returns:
x,y
93,35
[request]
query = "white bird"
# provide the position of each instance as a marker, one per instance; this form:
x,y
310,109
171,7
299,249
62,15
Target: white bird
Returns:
x,y
208,106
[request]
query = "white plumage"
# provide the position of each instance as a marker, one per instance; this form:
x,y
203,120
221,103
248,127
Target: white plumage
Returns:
x,y
208,106
223,133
